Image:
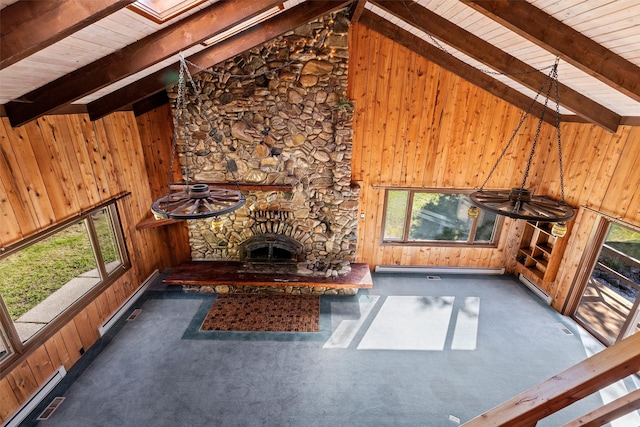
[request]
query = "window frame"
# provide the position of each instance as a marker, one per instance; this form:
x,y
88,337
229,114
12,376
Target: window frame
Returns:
x,y
470,243
18,350
599,235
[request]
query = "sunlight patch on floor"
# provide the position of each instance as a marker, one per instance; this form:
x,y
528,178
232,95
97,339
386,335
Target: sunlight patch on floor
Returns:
x,y
410,323
347,329
466,332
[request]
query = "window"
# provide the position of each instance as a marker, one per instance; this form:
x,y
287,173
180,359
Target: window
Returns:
x,y
436,218
44,277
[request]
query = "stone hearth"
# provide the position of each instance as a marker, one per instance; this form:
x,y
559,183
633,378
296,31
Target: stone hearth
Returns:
x,y
282,117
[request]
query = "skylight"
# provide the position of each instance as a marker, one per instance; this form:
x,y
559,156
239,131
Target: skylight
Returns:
x,y
160,11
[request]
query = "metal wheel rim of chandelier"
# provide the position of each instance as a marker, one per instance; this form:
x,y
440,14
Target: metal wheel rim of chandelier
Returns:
x,y
195,200
520,203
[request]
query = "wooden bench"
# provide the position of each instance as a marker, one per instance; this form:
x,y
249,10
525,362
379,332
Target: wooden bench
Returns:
x,y
231,273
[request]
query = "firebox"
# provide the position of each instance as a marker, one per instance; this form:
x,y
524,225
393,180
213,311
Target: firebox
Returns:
x,y
271,248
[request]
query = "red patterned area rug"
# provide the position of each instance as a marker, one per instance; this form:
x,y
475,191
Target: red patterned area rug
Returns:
x,y
264,313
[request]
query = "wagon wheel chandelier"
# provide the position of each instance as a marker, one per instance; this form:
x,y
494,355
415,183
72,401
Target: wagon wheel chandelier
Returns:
x,y
521,203
190,200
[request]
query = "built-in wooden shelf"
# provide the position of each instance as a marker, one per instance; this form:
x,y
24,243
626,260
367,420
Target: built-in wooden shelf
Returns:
x,y
540,253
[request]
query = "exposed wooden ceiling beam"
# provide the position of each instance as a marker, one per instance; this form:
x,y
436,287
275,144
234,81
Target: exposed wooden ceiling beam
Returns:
x,y
563,41
463,70
135,57
488,54
29,26
356,10
226,49
149,103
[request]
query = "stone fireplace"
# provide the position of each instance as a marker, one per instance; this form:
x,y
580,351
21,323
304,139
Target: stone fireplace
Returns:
x,y
271,248
282,119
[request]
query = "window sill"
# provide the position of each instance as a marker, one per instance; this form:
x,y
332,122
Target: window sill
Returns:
x,y
441,244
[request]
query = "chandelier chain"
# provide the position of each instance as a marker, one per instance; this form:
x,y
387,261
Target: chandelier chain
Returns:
x,y
549,80
174,142
555,80
197,201
552,80
183,116
521,203
522,120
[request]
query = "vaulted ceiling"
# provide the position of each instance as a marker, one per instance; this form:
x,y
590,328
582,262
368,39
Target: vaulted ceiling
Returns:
x,y
101,56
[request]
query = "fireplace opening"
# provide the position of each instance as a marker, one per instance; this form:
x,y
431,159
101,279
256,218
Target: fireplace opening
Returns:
x,y
272,249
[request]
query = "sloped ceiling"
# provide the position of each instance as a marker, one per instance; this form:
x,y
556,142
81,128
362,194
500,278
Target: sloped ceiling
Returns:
x,y
99,56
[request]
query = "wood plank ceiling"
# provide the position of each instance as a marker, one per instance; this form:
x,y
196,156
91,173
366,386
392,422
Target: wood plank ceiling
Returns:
x,y
100,56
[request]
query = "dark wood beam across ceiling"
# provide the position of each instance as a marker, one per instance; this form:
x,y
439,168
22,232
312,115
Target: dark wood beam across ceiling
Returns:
x,y
448,62
560,39
29,26
135,57
498,60
356,10
221,51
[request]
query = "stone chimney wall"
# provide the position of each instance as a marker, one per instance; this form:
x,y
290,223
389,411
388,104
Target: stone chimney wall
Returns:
x,y
281,113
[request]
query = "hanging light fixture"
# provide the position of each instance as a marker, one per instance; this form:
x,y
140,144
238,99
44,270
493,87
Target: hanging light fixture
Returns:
x,y
217,226
195,200
559,229
521,203
473,212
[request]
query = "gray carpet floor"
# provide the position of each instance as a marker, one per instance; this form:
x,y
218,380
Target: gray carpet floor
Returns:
x,y
362,369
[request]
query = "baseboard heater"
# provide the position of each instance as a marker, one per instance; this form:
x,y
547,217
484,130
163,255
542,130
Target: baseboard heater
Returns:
x,y
36,398
128,303
437,270
535,289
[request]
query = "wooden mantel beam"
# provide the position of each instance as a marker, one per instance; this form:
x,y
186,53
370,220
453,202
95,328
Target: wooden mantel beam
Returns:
x,y
135,57
498,60
219,52
29,26
572,46
465,71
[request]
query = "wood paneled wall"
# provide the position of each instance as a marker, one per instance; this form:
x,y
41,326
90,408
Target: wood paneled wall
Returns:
x,y
418,125
156,131
58,166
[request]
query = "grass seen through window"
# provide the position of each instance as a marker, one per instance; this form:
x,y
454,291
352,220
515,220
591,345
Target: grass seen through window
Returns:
x,y
51,275
29,276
